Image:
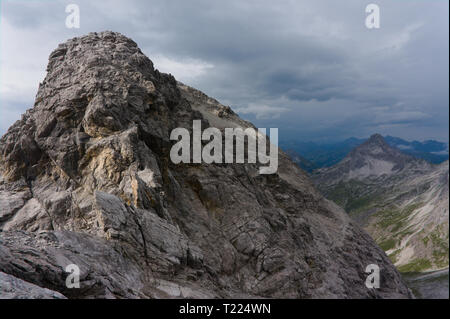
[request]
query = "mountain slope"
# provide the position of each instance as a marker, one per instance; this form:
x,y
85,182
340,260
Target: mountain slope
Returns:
x,y
86,179
401,201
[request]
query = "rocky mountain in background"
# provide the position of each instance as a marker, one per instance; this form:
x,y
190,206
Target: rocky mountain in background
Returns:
x,y
432,151
400,200
86,179
311,155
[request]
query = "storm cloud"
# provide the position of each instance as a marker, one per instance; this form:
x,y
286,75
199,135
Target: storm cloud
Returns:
x,y
310,68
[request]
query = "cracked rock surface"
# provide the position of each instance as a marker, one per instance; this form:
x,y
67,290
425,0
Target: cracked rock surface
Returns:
x,y
86,179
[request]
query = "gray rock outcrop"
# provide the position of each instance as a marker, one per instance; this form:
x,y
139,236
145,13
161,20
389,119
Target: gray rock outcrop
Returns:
x,y
86,179
14,288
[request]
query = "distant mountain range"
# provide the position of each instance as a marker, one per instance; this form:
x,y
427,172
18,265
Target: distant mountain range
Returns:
x,y
310,155
402,201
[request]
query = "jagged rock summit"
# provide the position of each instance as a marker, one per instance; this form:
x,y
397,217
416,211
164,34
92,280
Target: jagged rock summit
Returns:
x,y
86,179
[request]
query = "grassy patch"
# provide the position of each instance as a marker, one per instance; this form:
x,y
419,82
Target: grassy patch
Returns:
x,y
387,244
438,240
394,256
359,204
347,195
417,265
395,219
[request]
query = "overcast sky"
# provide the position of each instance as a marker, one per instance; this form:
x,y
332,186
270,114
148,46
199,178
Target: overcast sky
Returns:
x,y
310,68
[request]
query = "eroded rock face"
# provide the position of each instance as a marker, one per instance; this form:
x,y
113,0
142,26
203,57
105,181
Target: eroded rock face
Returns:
x,y
86,179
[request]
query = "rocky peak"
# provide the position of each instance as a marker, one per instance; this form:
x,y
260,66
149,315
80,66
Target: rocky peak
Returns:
x,y
375,158
85,179
96,86
377,147
376,138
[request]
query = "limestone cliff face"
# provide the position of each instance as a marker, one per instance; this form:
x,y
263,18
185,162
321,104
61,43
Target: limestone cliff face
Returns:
x,y
86,179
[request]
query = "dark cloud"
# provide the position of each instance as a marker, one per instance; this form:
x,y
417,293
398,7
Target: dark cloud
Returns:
x,y
311,68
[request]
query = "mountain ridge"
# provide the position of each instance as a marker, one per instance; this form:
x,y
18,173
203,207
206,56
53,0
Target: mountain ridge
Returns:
x,y
400,200
372,159
319,155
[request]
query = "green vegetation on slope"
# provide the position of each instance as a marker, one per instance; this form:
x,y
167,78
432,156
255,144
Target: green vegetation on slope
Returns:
x,y
387,244
417,265
439,239
395,219
347,195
